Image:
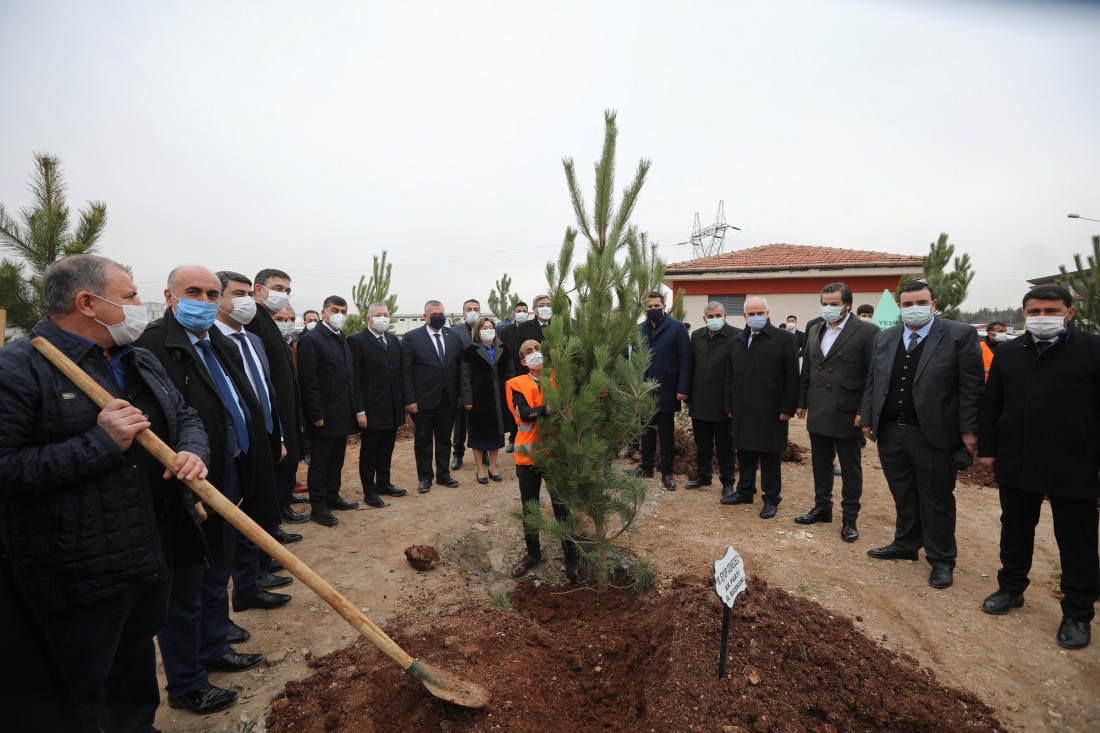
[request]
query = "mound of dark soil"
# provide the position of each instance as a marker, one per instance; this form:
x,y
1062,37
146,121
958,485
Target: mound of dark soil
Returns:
x,y
570,659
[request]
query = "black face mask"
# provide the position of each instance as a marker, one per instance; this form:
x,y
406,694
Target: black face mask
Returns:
x,y
437,322
655,314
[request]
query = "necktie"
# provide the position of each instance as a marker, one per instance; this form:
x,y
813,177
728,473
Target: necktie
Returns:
x,y
439,348
257,381
382,340
914,337
1042,345
230,402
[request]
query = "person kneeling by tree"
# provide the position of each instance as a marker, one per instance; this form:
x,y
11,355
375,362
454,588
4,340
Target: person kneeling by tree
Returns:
x,y
525,401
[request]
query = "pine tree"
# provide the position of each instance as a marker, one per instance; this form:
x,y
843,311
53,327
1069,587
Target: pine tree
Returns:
x,y
950,287
599,397
1085,282
501,300
43,236
377,289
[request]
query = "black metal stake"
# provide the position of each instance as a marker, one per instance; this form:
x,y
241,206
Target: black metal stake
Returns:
x,y
725,640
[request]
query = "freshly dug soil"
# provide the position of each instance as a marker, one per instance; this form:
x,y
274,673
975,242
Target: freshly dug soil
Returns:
x,y
569,659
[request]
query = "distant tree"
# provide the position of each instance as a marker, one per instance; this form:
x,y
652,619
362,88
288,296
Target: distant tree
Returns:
x,y
1012,317
950,286
600,399
42,235
375,290
1085,282
501,300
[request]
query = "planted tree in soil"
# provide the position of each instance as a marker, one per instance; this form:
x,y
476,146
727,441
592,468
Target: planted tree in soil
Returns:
x,y
598,391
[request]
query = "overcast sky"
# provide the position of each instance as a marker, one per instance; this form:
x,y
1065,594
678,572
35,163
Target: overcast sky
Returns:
x,y
311,136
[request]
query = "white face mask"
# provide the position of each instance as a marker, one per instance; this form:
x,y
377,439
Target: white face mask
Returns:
x,y
337,320
520,317
244,310
1000,337
472,317
275,300
544,312
380,323
285,327
488,334
916,315
1044,327
134,320
716,323
866,318
533,360
311,325
831,314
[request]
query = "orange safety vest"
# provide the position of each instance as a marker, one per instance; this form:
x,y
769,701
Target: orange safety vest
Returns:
x,y
987,358
527,433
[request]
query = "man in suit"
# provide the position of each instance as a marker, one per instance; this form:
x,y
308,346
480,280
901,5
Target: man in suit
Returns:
x,y
210,374
921,405
799,336
430,358
380,384
834,373
1040,431
709,422
471,314
670,364
326,373
761,396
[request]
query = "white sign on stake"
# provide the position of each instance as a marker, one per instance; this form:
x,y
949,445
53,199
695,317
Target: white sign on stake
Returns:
x,y
729,577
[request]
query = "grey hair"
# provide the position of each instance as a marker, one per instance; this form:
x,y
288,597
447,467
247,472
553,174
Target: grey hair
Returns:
x,y
714,304
757,297
540,297
380,304
430,303
69,275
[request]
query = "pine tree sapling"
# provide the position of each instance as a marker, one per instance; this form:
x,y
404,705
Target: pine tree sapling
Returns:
x,y
950,287
1085,283
597,386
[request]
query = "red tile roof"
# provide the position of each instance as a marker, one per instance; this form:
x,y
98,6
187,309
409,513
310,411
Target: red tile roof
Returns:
x,y
793,257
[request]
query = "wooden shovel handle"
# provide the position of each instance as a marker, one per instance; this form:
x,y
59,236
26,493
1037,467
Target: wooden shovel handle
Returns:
x,y
217,501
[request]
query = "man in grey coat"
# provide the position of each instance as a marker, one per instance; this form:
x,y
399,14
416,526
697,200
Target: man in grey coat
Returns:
x,y
921,405
710,424
834,372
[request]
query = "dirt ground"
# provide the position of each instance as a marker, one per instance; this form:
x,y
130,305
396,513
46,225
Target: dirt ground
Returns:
x,y
1010,663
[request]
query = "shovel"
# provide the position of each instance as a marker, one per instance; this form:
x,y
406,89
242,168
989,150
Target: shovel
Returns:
x,y
440,683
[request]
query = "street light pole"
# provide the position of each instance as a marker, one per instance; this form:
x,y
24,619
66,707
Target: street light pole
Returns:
x,y
1078,216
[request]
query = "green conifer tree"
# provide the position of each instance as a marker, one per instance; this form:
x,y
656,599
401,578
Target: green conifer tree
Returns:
x,y
375,290
502,301
950,287
1085,282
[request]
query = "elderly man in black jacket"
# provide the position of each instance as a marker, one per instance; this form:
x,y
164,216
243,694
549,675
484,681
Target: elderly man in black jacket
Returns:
x,y
326,373
87,514
710,424
1039,429
761,396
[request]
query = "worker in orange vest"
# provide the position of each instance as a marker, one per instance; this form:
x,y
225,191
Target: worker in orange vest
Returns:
x,y
995,333
524,395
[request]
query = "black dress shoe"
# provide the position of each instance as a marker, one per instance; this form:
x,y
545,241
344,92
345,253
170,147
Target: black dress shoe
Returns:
x,y
941,576
374,501
236,634
643,472
848,531
815,515
768,511
483,480
456,463
299,499
270,581
203,701
234,662
446,481
339,502
525,563
424,486
1000,602
698,483
892,552
736,497
667,483
495,477
391,490
727,490
1074,634
285,538
275,566
292,516
263,599
323,517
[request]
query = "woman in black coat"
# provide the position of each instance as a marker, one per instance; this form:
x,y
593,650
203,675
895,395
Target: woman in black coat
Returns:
x,y
486,365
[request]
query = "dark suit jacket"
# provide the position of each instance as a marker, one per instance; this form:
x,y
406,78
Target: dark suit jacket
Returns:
x,y
670,360
800,340
761,383
379,379
832,385
946,387
284,378
265,368
706,399
326,375
426,380
1040,415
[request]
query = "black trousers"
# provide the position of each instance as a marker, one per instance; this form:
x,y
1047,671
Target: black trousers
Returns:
x,y
460,433
661,426
375,456
530,484
326,465
286,474
822,450
922,482
713,436
433,426
771,477
1074,529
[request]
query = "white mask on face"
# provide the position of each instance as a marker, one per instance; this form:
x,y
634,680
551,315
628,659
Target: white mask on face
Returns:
x,y
337,320
285,327
916,315
244,310
1044,327
533,360
488,334
311,325
1000,337
380,323
520,317
831,314
544,312
276,300
472,317
134,320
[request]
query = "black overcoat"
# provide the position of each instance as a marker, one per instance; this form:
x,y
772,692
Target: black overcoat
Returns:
x,y
379,379
670,360
483,387
326,376
706,399
284,378
761,383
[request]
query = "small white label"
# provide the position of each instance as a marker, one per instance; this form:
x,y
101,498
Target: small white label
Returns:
x,y
729,577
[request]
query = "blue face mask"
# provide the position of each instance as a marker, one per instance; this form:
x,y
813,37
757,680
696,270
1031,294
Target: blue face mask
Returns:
x,y
757,322
715,324
196,316
655,314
